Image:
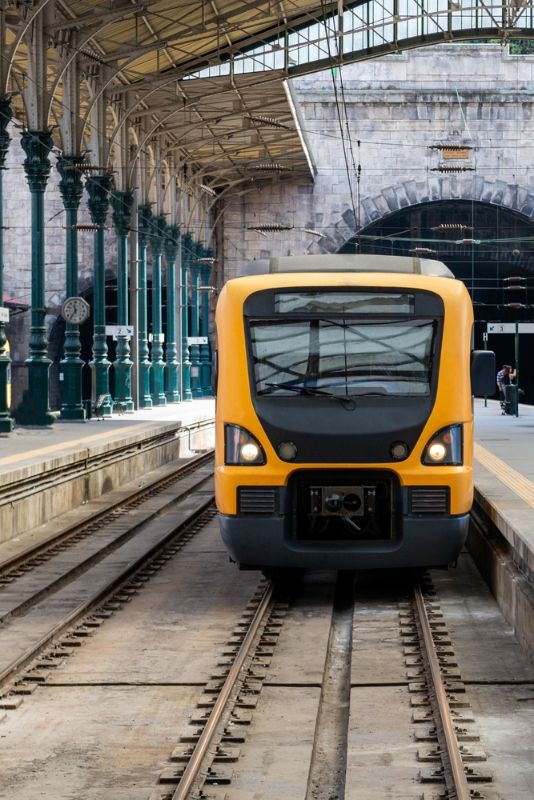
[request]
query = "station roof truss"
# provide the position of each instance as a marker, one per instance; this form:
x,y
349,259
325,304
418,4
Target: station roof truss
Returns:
x,y
208,79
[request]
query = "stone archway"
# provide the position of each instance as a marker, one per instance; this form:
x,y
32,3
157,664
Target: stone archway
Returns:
x,y
405,194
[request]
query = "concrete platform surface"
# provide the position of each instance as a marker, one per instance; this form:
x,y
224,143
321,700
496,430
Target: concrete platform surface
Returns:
x,y
27,445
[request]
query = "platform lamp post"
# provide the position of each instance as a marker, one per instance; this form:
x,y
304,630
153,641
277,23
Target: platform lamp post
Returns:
x,y
157,237
98,188
170,246
187,248
122,204
71,190
144,216
206,265
6,423
34,409
196,387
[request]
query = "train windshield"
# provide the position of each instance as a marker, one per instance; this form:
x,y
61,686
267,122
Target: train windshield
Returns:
x,y
342,356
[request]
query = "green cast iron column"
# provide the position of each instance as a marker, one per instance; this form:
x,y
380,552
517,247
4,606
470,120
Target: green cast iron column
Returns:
x,y
98,188
144,215
34,409
157,236
6,423
187,246
170,246
196,389
71,189
205,354
122,203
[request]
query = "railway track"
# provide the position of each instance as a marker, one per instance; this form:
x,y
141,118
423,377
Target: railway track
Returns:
x,y
307,729
200,761
13,567
49,593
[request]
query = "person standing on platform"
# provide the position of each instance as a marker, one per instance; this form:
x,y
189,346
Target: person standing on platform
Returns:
x,y
504,378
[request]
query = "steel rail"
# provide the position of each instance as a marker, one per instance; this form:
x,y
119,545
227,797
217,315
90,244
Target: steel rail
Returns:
x,y
461,786
201,748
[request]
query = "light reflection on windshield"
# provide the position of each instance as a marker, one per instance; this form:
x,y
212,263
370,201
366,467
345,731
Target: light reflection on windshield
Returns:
x,y
342,357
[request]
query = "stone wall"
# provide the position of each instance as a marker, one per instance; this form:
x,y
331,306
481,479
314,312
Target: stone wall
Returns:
x,y
398,107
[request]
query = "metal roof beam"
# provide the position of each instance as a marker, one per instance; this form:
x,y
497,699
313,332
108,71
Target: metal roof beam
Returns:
x,y
87,21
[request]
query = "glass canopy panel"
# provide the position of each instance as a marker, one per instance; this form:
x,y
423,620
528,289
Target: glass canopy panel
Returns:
x,y
375,24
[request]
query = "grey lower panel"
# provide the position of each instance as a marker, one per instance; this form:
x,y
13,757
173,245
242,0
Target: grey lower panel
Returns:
x,y
264,542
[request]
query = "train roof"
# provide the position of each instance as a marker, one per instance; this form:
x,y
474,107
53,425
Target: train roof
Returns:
x,y
345,262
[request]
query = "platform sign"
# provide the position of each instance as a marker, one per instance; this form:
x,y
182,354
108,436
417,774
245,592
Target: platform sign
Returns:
x,y
197,340
4,314
119,330
510,327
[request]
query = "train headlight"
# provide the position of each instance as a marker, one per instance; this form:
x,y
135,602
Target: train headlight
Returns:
x,y
445,448
250,452
241,448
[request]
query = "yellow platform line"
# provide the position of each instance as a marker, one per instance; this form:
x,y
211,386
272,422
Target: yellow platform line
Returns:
x,y
518,483
68,445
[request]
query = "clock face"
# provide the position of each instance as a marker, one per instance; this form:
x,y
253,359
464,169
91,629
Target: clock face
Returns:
x,y
75,310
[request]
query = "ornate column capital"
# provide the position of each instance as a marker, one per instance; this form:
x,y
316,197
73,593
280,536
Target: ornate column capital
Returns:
x,y
171,243
37,146
187,248
70,185
98,188
122,204
158,226
6,113
144,218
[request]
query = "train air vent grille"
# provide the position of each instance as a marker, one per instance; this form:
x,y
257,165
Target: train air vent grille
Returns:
x,y
257,500
429,500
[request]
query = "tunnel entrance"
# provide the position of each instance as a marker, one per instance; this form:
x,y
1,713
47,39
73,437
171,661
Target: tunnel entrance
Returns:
x,y
488,247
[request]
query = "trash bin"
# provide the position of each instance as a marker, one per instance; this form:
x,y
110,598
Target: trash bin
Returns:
x,y
88,409
511,398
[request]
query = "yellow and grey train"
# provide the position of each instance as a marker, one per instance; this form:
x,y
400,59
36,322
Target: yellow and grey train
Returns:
x,y
344,423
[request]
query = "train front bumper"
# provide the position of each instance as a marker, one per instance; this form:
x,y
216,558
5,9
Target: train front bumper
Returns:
x,y
269,542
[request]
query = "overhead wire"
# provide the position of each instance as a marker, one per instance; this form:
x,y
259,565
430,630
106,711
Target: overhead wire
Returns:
x,y
338,111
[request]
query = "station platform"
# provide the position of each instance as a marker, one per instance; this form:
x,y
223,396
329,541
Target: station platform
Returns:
x,y
504,475
28,445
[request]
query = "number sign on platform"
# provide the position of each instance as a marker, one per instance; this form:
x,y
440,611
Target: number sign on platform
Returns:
x,y
510,327
4,314
119,330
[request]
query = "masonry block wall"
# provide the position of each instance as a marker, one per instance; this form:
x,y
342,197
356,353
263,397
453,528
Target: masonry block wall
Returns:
x,y
397,109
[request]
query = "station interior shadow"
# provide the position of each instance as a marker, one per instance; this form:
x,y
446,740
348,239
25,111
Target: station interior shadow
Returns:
x,y
487,246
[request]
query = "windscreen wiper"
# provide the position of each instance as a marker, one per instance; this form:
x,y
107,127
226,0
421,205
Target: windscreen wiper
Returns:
x,y
347,401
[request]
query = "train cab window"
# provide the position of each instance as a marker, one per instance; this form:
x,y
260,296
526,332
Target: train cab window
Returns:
x,y
342,356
